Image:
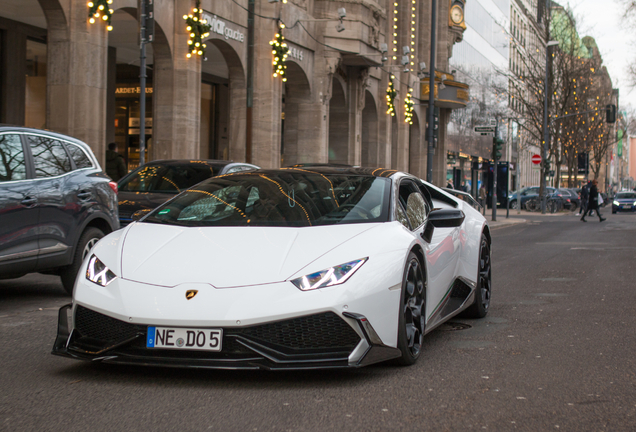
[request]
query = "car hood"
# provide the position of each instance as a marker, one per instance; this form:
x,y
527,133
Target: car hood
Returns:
x,y
225,257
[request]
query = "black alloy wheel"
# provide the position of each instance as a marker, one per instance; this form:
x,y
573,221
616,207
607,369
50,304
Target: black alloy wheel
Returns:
x,y
412,321
481,304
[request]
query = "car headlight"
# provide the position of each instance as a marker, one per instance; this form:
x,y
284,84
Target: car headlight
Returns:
x,y
329,277
635,203
616,203
98,273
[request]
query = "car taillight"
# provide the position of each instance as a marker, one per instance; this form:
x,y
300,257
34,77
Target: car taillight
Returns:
x,y
113,186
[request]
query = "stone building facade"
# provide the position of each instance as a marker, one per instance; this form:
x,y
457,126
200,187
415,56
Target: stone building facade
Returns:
x,y
65,74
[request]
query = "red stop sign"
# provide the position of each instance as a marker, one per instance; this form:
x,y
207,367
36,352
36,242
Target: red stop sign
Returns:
x,y
536,159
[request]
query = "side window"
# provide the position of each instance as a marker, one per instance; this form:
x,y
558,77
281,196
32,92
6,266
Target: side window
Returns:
x,y
12,166
49,157
234,169
411,209
78,156
401,216
416,209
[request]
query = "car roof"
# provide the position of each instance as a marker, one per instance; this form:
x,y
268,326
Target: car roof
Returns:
x,y
22,129
181,162
342,170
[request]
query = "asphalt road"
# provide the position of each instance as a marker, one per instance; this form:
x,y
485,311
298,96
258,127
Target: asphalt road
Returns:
x,y
556,352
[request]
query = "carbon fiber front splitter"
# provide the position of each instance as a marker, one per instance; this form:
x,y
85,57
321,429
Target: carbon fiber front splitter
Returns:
x,y
257,356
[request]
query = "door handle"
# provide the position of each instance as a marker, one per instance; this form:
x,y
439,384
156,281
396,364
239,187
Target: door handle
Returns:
x,y
29,202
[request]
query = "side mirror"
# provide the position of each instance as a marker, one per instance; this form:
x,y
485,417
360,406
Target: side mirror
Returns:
x,y
442,218
140,213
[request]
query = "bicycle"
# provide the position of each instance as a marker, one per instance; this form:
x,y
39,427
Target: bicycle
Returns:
x,y
554,204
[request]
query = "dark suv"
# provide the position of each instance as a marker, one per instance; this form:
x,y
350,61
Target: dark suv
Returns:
x,y
55,203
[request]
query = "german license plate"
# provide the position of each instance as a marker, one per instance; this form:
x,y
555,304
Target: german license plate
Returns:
x,y
627,206
184,338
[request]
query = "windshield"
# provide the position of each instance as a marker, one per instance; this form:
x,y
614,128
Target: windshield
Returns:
x,y
291,198
626,195
167,178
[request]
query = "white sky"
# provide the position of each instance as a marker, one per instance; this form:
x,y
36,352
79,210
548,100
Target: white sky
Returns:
x,y
604,21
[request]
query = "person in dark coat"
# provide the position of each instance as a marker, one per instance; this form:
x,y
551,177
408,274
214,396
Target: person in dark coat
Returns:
x,y
585,195
115,163
592,203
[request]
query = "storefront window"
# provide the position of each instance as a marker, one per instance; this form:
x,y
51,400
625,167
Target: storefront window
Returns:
x,y
35,93
127,123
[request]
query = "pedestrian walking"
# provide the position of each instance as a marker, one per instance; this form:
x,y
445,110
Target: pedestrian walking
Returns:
x,y
482,197
592,202
585,195
115,163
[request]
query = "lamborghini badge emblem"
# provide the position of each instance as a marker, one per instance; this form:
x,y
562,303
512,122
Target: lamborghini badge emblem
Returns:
x,y
190,294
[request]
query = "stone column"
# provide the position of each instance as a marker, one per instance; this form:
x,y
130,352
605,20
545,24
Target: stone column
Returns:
x,y
267,104
176,93
76,78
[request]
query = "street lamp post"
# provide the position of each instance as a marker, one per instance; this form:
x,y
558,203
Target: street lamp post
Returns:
x,y
546,132
431,97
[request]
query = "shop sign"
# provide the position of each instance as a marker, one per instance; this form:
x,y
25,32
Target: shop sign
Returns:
x,y
131,90
218,26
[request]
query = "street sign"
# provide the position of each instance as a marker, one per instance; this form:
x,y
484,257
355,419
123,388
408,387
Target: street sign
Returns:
x,y
493,122
485,129
536,159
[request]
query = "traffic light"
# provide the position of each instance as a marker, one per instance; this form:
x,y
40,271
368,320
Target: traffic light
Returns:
x,y
436,122
497,147
610,111
547,165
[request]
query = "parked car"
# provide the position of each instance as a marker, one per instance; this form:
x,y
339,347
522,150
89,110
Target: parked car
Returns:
x,y
55,203
624,202
283,269
156,182
571,200
526,194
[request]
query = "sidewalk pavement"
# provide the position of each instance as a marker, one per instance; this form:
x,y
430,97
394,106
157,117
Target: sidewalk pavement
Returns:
x,y
517,217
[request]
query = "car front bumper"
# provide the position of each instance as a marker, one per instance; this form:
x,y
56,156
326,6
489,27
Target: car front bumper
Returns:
x,y
318,341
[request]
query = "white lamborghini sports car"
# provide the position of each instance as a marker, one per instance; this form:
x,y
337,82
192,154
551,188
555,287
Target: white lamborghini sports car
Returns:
x,y
297,268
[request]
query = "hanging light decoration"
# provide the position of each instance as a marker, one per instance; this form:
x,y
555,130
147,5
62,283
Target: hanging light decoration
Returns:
x,y
279,51
391,93
198,29
408,107
100,10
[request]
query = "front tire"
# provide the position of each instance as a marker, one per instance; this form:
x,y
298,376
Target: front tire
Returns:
x,y
412,321
86,242
481,305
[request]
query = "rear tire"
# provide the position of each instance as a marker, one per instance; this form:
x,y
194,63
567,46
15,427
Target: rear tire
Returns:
x,y
481,304
412,321
86,242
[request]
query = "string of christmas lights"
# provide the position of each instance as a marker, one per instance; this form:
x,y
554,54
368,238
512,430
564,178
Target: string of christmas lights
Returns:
x,y
395,29
408,107
198,29
279,51
391,93
100,9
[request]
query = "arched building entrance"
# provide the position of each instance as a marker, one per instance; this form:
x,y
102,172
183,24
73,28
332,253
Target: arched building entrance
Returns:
x,y
338,123
370,147
297,129
223,103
